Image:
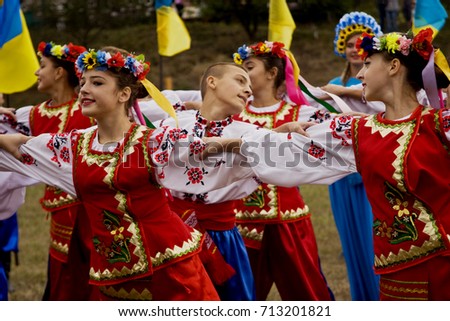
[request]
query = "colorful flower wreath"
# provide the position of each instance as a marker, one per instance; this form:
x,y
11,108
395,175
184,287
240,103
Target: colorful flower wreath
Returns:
x,y
266,47
350,24
102,60
397,42
69,52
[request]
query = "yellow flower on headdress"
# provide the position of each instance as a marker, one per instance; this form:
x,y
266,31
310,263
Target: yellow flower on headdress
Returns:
x,y
264,48
237,58
57,51
90,60
392,43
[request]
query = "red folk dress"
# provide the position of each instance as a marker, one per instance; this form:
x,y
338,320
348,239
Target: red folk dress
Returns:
x,y
276,224
410,181
69,244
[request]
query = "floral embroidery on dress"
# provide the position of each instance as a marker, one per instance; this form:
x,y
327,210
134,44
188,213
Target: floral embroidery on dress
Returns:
x,y
118,250
196,147
341,129
208,128
55,143
403,227
19,127
319,116
316,151
256,198
446,121
27,159
195,175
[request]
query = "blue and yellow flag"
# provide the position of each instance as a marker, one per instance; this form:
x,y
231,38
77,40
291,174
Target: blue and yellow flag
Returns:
x,y
173,37
281,23
429,14
18,60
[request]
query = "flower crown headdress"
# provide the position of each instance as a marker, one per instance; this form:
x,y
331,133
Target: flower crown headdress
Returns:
x,y
261,48
404,44
134,64
69,52
274,48
353,23
103,60
396,42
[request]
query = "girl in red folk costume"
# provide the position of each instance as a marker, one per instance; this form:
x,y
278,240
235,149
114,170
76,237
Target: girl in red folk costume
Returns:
x,y
402,156
142,250
274,221
68,265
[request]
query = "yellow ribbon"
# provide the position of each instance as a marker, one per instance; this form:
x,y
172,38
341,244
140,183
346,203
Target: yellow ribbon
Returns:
x,y
160,99
294,65
441,62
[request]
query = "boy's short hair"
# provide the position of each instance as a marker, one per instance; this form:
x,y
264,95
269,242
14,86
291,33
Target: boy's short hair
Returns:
x,y
216,70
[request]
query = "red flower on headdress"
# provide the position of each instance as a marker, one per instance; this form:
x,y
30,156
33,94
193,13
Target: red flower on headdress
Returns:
x,y
364,45
116,61
422,43
74,52
41,46
277,49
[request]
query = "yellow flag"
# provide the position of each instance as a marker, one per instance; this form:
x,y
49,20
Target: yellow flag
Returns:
x,y
173,37
18,60
281,23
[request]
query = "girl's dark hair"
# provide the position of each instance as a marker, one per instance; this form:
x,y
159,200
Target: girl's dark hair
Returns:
x,y
415,65
271,61
67,66
126,79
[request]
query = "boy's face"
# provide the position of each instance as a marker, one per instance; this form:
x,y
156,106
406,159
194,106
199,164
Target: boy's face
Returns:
x,y
233,89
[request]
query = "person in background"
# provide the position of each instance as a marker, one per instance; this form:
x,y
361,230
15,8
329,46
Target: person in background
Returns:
x,y
381,5
68,262
392,10
275,221
350,206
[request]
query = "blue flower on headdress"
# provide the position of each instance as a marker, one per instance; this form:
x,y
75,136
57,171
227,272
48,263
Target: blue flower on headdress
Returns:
x,y
102,60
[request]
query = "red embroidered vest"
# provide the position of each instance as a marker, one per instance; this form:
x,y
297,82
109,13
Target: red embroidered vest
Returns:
x,y
133,229
59,119
405,168
269,203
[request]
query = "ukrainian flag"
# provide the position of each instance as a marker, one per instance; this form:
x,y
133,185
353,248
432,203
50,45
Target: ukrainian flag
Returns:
x,y
18,60
173,37
281,23
429,14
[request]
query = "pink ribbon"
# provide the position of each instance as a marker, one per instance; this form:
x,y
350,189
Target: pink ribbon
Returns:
x,y
294,92
137,109
430,84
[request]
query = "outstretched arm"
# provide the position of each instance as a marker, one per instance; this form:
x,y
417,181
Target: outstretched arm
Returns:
x,y
46,158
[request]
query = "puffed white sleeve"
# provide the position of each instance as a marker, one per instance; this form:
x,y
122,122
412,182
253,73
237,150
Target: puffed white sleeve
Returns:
x,y
21,124
291,159
47,158
176,156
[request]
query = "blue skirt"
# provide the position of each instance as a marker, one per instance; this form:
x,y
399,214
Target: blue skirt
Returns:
x,y
353,216
9,242
241,287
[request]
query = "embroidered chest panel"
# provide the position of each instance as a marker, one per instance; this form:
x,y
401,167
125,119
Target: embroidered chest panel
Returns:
x,y
405,226
130,219
284,114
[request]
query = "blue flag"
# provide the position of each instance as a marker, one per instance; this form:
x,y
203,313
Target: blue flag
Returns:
x,y
429,14
18,60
